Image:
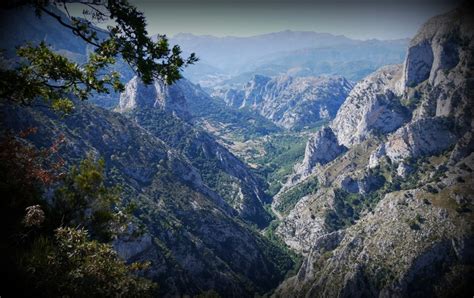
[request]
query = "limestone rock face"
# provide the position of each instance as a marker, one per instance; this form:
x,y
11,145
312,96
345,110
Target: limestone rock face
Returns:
x,y
424,106
320,149
463,148
409,156
418,64
373,248
131,248
137,95
437,47
306,222
420,138
233,97
444,90
372,108
290,102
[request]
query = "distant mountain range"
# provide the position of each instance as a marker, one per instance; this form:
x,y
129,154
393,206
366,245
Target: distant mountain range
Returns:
x,y
299,53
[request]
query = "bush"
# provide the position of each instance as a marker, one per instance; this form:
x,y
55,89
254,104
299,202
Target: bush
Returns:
x,y
72,265
291,197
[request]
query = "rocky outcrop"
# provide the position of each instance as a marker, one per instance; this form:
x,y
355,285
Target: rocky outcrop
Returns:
x,y
420,138
133,244
372,108
306,221
438,47
169,98
290,102
463,148
442,86
414,242
232,97
425,106
321,148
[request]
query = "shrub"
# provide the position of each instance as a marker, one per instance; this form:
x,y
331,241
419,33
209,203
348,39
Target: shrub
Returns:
x,y
72,265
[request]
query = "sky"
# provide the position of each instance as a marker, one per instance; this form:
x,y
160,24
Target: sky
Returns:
x,y
382,19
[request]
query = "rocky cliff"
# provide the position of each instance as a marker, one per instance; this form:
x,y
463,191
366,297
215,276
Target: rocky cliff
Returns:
x,y
372,108
169,98
415,242
392,214
321,148
290,102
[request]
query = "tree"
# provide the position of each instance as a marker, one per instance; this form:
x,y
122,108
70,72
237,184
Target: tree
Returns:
x,y
72,265
43,74
83,200
58,246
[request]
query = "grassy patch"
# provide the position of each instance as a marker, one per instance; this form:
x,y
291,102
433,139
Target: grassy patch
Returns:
x,y
270,234
280,153
289,198
348,207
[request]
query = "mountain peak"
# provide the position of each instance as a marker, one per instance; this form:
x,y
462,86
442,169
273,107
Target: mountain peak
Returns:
x,y
138,95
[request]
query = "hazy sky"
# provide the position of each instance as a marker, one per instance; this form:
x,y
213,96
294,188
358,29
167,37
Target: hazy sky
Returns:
x,y
382,19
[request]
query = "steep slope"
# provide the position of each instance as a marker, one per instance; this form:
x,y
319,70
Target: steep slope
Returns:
x,y
392,214
290,102
162,111
189,233
373,108
19,23
415,242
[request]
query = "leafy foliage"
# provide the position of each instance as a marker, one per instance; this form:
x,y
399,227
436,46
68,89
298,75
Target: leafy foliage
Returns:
x,y
71,264
24,170
289,198
43,74
44,245
348,207
84,200
282,152
291,268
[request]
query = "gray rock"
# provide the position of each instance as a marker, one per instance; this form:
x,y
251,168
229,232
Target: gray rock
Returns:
x,y
169,98
290,102
420,138
372,108
130,248
321,148
403,170
415,242
418,63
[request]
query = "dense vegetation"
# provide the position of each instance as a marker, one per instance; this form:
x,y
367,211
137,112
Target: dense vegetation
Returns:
x,y
281,153
243,124
57,244
289,198
54,78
